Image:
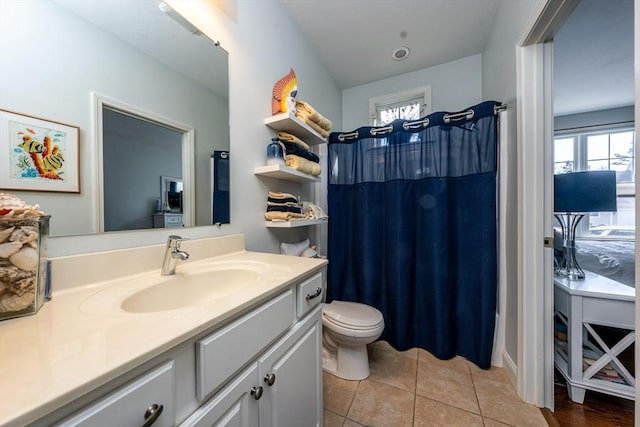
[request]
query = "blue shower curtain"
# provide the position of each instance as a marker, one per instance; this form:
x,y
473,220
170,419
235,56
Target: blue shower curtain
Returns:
x,y
412,230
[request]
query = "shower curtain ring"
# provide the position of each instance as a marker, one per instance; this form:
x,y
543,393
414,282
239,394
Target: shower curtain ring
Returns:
x,y
414,125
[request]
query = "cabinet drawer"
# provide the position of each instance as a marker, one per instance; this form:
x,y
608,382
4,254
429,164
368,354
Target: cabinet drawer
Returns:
x,y
173,219
223,353
310,293
127,405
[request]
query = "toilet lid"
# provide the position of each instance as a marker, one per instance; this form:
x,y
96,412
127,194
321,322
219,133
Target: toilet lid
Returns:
x,y
352,314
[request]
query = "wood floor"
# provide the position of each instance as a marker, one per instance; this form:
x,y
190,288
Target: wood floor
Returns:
x,y
598,409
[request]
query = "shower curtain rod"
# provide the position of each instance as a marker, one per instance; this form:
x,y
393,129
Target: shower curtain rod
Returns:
x,y
419,123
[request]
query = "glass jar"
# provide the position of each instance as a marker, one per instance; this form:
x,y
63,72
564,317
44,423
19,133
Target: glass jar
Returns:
x,y
275,152
23,259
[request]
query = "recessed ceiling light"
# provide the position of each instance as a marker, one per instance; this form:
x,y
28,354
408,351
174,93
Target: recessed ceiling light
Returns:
x,y
400,53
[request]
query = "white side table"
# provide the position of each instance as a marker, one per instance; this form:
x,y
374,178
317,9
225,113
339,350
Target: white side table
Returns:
x,y
581,304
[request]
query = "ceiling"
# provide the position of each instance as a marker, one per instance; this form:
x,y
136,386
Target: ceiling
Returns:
x,y
593,58
143,25
355,39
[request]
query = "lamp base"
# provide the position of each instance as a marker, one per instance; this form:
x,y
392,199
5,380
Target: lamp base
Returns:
x,y
569,267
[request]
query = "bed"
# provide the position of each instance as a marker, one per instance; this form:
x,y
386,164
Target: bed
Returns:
x,y
614,259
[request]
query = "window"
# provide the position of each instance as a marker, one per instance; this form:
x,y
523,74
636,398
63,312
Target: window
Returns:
x,y
407,105
612,149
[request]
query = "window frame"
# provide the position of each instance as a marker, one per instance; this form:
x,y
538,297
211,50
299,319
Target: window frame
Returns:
x,y
423,92
581,159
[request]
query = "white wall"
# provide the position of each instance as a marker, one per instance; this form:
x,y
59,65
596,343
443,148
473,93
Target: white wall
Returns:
x,y
611,116
263,45
455,86
499,83
51,62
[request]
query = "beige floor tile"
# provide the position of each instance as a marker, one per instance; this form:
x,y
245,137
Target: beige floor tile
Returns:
x,y
392,367
447,383
431,413
495,374
459,364
385,346
338,393
331,419
381,405
350,423
498,401
488,422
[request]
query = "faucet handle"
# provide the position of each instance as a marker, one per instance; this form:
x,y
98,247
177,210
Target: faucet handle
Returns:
x,y
175,240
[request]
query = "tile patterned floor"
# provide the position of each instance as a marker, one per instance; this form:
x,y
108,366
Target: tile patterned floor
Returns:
x,y
413,388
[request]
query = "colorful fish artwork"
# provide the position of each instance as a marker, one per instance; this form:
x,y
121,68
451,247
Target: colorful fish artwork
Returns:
x,y
37,153
284,94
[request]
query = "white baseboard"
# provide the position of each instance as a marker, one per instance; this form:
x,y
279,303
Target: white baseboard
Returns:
x,y
510,368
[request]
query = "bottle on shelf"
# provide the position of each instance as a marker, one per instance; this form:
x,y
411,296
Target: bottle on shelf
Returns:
x,y
275,152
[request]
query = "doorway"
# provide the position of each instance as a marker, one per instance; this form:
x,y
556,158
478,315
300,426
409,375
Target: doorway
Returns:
x,y
535,122
594,130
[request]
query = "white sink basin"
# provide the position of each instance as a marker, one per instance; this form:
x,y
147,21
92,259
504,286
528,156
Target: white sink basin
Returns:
x,y
181,290
191,285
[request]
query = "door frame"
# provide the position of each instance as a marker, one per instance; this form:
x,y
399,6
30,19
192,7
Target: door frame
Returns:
x,y
535,199
535,358
99,102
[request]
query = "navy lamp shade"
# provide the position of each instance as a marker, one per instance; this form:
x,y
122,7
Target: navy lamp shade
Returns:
x,y
575,194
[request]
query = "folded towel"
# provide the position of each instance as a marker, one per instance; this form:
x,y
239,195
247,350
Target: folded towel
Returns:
x,y
287,137
282,216
272,203
280,197
301,164
294,209
292,148
321,120
306,119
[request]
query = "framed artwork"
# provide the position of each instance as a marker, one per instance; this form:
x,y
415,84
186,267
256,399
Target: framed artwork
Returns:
x,y
38,154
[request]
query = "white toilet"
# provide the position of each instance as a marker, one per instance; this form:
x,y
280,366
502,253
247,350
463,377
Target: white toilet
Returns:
x,y
347,329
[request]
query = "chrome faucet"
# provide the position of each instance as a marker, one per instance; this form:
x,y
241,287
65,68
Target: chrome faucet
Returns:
x,y
172,253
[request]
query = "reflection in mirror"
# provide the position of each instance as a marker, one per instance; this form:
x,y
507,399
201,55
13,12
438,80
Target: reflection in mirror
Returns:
x,y
129,51
221,187
136,151
171,190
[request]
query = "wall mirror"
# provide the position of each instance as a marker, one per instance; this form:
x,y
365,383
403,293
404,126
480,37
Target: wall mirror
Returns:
x,y
132,52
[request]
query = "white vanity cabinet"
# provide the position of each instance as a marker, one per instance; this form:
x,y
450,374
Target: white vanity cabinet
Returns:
x,y
146,401
291,377
263,367
283,388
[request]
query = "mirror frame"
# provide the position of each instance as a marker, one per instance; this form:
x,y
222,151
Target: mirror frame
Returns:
x,y
188,153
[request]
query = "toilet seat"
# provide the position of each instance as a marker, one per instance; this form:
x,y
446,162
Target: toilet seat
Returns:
x,y
352,316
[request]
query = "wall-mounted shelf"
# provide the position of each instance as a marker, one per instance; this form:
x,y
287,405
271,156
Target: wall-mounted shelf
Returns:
x,y
288,122
284,173
295,223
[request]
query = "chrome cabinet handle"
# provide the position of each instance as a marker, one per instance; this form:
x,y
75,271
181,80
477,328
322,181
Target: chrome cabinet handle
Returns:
x,y
316,295
152,413
256,392
270,379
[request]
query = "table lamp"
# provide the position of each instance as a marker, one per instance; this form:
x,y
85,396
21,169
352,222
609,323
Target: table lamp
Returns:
x,y
575,194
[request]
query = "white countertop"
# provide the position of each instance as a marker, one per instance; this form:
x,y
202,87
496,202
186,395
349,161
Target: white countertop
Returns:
x,y
65,350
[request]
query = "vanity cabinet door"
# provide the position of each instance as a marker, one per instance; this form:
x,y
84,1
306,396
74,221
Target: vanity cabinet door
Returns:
x,y
147,401
291,374
226,351
235,405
